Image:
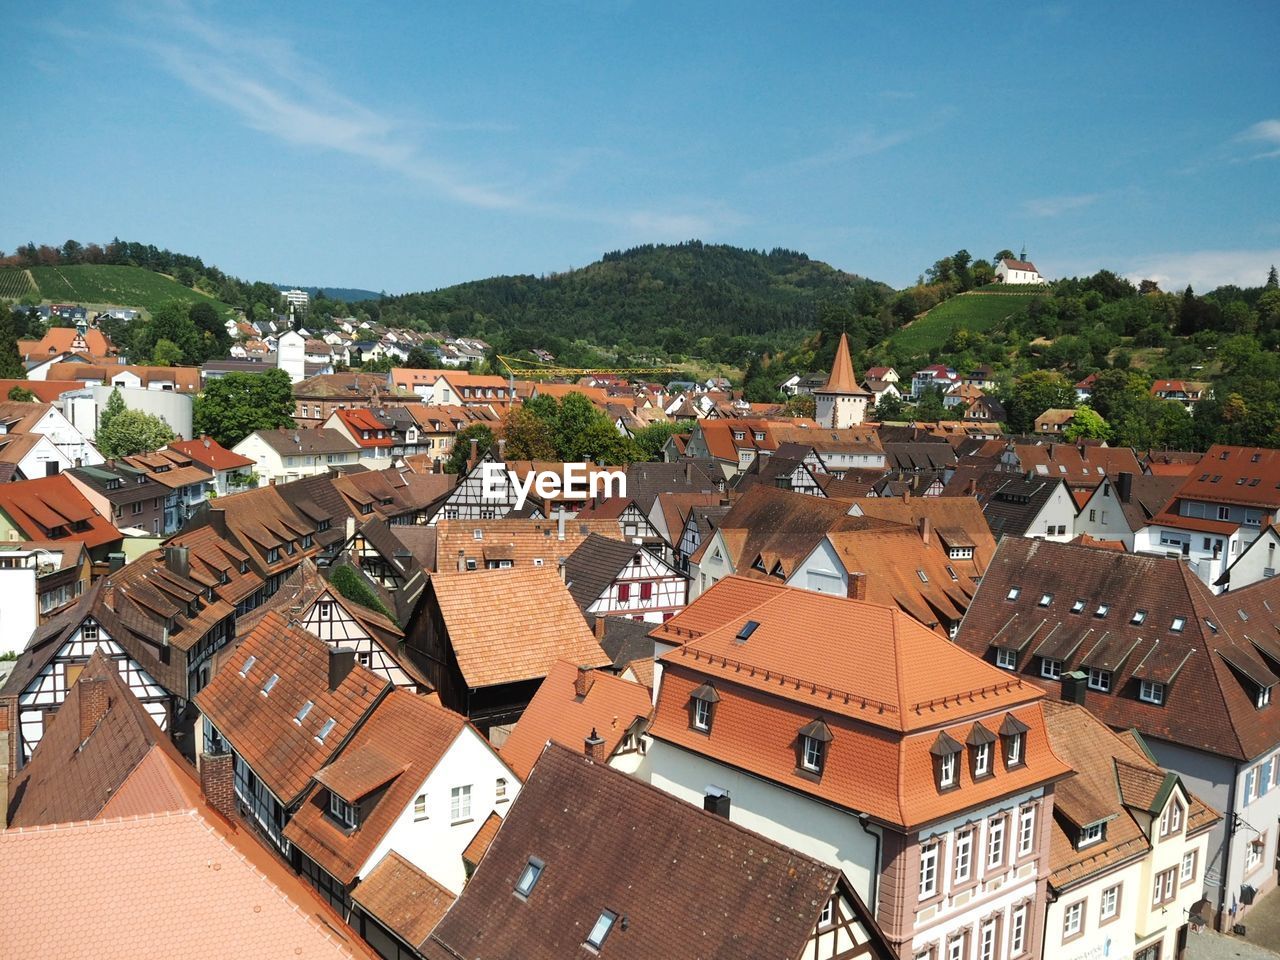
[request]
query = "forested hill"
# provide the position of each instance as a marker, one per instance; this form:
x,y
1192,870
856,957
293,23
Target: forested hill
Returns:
x,y
714,302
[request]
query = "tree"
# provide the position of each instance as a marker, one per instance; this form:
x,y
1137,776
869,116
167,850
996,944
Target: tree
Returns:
x,y
1034,393
1086,425
461,452
232,407
11,367
112,409
1273,280
929,405
132,431
21,395
651,439
420,358
527,435
214,341
166,353
802,405
1003,255
888,407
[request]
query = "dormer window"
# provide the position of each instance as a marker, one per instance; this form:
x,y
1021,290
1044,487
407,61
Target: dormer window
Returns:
x,y
702,705
1050,669
1099,680
529,876
1013,738
343,812
1171,819
1149,691
814,738
1091,834
945,751
273,555
1263,698
980,742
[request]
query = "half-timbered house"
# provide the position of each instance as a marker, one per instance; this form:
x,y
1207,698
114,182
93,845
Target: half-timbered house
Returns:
x,y
583,864
282,704
619,578
468,502
464,545
376,640
634,525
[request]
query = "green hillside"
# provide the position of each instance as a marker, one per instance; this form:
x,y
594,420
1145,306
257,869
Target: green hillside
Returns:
x,y
975,311
102,285
697,300
15,284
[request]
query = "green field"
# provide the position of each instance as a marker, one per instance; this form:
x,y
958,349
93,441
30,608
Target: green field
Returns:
x,y
15,284
98,286
974,312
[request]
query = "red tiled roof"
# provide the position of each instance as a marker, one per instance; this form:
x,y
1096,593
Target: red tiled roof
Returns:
x,y
359,421
211,454
261,726
46,391
40,506
610,708
403,898
842,378
1245,475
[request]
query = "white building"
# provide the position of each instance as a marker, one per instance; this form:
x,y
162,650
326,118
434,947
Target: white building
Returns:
x,y
1018,271
291,355
284,455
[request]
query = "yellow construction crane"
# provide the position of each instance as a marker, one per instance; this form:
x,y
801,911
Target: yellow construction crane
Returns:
x,y
530,369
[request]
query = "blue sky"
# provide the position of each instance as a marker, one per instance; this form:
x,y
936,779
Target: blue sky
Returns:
x,y
413,145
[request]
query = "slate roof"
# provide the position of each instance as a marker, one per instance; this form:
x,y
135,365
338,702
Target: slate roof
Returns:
x,y
396,748
885,705
610,708
260,727
595,564
510,625
686,878
71,777
129,490
1211,667
624,639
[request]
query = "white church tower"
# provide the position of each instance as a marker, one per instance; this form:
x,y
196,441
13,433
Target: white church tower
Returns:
x,y
291,352
841,402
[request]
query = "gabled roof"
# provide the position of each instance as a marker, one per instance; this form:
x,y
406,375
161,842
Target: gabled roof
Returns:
x,y
76,777
305,441
46,505
210,454
1245,475
523,542
1087,464
510,625
153,588
259,520
402,898
609,709
594,565
1019,265
1014,505
666,868
361,420
261,726
396,748
689,475
1115,781
46,391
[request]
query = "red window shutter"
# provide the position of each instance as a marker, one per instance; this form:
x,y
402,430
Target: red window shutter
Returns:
x,y
624,591
646,591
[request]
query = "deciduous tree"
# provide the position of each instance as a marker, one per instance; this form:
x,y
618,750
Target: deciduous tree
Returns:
x,y
232,407
132,431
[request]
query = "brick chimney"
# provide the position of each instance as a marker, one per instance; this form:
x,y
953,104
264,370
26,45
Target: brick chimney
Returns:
x,y
4,779
598,628
906,495
926,530
857,586
94,704
594,747
474,455
583,682
217,782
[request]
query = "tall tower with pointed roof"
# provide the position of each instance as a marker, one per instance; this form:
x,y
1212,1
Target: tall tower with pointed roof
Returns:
x,y
841,402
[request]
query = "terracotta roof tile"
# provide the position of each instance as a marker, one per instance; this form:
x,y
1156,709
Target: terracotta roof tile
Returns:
x,y
514,624
610,709
402,898
481,842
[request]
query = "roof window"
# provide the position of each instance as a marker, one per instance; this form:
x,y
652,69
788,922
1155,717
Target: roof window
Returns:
x,y
1103,609
1077,606
1046,599
248,665
1178,624
326,729
1013,593
601,930
529,876
1244,617
924,577
302,714
1138,617
747,630
270,684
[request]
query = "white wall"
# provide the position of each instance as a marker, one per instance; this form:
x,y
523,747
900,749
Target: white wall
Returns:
x,y
434,845
18,616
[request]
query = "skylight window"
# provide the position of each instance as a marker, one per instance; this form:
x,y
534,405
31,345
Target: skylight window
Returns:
x,y
1178,624
1213,627
1138,617
302,714
270,684
1102,610
747,630
601,930
1046,599
529,876
1013,593
248,665
1242,615
924,577
326,729
1077,606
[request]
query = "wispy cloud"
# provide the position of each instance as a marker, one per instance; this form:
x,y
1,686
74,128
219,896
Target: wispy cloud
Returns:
x,y
1204,269
1057,206
866,142
1265,132
270,87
